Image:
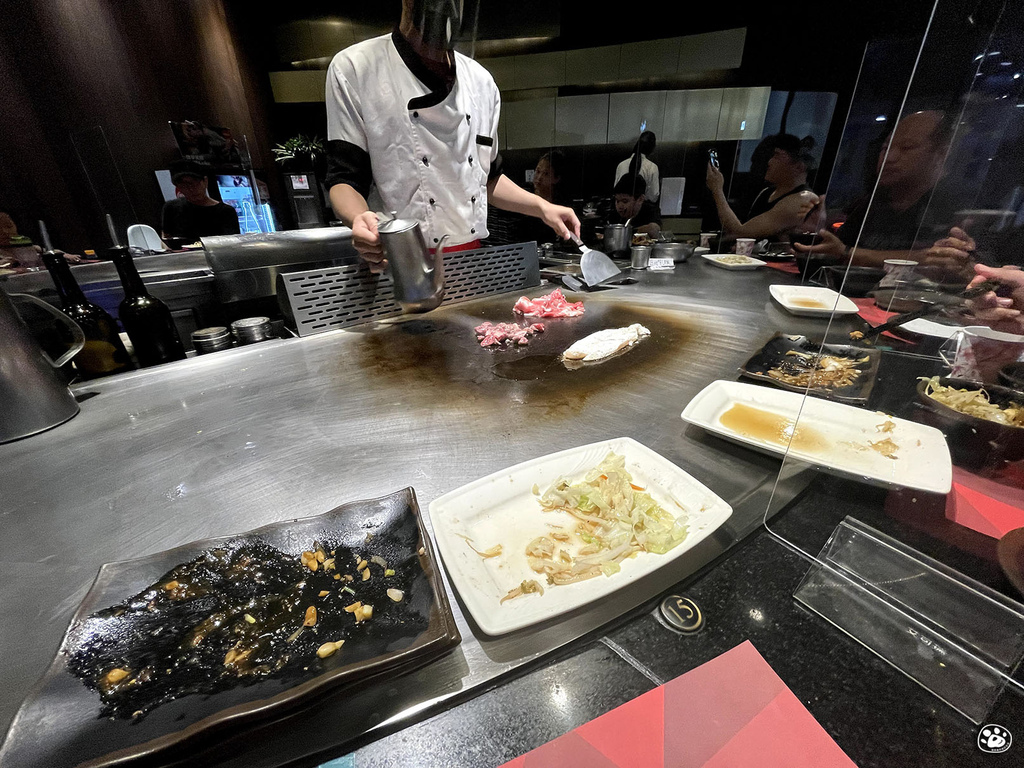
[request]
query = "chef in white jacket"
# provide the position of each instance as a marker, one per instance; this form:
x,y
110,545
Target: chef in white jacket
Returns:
x,y
412,127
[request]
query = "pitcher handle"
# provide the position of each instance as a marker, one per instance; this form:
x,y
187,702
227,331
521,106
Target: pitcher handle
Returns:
x,y
78,338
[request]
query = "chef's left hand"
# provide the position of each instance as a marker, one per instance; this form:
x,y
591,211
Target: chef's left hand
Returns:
x,y
561,219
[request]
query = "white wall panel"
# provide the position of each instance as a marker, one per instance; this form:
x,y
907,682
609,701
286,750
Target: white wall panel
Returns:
x,y
627,111
581,120
692,115
743,111
529,124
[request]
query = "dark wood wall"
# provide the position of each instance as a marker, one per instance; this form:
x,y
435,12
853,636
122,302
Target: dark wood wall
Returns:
x,y
88,87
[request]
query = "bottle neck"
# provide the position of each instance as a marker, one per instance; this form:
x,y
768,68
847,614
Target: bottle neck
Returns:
x,y
130,279
60,271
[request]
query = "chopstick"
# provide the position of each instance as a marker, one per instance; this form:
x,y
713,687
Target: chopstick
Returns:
x,y
928,309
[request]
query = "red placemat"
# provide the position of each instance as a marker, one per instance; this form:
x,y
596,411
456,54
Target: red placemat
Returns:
x,y
875,316
789,267
983,505
732,711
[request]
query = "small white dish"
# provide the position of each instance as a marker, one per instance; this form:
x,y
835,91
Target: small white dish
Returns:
x,y
834,437
811,301
716,259
502,509
922,326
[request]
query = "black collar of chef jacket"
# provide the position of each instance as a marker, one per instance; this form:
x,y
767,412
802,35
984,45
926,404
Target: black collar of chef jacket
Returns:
x,y
439,86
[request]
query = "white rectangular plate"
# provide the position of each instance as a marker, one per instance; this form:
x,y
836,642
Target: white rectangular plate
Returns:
x,y
789,296
501,509
716,259
922,459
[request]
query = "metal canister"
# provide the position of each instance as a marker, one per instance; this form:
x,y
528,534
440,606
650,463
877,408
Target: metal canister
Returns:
x,y
640,256
249,330
212,339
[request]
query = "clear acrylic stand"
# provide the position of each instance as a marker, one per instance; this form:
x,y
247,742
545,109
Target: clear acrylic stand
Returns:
x,y
957,638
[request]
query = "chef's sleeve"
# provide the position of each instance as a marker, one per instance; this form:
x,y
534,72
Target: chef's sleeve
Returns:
x,y
495,169
348,159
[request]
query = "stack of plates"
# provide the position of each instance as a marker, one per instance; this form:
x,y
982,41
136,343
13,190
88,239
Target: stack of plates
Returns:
x,y
212,339
249,330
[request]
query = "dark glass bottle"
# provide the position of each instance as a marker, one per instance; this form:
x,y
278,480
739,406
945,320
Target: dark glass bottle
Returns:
x,y
146,320
103,353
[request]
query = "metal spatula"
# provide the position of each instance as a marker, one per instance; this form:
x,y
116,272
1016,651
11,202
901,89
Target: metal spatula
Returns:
x,y
596,266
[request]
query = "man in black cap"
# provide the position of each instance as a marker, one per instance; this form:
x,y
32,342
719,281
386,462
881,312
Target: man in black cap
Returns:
x,y
194,213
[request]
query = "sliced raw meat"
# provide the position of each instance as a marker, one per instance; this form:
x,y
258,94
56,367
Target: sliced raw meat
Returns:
x,y
493,334
602,344
552,305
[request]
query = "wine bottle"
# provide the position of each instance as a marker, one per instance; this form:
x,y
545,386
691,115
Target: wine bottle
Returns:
x,y
146,319
103,353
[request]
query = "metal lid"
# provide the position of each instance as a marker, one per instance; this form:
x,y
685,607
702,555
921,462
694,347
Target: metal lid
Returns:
x,y
394,226
250,322
213,333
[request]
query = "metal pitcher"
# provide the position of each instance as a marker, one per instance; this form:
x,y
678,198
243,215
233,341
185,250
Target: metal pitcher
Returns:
x,y
33,397
617,239
418,276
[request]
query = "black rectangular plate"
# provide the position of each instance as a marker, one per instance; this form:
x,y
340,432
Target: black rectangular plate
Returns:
x,y
774,352
59,725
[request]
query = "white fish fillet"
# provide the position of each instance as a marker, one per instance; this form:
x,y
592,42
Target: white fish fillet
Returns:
x,y
600,345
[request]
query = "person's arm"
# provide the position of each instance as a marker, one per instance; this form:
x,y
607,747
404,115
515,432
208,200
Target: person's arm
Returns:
x,y
351,207
953,252
503,193
654,186
349,169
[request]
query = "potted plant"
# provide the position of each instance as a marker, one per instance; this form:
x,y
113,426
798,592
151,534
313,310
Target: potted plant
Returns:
x,y
302,154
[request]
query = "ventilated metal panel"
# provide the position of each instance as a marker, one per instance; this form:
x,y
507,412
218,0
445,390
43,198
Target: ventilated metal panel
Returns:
x,y
319,300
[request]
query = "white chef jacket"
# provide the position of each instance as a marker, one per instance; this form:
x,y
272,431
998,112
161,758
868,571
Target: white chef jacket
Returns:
x,y
430,161
649,173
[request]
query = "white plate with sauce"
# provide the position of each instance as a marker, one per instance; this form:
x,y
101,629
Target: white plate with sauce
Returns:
x,y
829,435
502,509
731,261
810,301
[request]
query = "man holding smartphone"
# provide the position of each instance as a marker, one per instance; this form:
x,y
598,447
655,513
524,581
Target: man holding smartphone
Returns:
x,y
779,208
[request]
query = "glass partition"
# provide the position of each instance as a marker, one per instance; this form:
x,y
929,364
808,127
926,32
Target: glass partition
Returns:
x,y
915,431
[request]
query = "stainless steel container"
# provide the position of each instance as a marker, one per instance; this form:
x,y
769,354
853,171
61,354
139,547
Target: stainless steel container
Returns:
x,y
250,330
617,239
33,397
418,276
640,256
212,339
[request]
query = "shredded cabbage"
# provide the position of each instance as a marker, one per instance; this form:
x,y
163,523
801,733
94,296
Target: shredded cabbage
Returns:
x,y
974,402
616,519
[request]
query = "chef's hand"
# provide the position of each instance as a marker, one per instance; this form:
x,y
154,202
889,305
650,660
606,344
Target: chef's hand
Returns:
x,y
561,219
830,245
367,241
715,180
1003,313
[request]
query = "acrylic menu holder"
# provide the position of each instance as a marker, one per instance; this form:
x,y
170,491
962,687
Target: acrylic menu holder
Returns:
x,y
952,635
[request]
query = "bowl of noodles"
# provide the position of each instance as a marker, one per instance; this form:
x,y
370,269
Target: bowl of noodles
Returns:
x,y
983,424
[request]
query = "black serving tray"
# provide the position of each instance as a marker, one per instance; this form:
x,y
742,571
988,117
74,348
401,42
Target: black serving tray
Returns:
x,y
59,724
774,352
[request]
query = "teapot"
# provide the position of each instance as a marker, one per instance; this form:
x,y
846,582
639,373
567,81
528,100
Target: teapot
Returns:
x,y
34,396
418,277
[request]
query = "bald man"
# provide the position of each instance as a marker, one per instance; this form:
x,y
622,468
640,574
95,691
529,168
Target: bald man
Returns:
x,y
909,166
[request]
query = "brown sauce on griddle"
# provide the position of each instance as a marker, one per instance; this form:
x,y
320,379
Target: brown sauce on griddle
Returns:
x,y
175,641
771,427
437,357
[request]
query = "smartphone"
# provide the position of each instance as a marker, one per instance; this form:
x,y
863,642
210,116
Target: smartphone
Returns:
x,y
713,157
